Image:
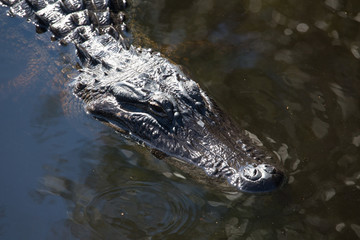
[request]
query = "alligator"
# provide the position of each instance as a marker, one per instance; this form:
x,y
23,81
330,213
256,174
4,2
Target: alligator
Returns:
x,y
144,96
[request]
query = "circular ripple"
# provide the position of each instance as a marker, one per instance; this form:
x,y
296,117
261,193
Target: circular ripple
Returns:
x,y
142,209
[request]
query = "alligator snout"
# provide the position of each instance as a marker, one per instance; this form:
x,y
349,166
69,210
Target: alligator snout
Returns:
x,y
261,178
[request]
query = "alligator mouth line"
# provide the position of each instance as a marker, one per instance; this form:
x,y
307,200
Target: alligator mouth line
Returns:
x,y
116,126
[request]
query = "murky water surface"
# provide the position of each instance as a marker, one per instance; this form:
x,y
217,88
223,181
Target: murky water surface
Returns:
x,y
287,71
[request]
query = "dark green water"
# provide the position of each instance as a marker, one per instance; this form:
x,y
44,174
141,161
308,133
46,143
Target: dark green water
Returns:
x,y
287,71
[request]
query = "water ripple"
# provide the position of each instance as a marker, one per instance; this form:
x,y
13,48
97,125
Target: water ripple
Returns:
x,y
142,209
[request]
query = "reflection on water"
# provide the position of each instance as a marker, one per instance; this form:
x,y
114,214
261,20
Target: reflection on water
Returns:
x,y
288,71
141,209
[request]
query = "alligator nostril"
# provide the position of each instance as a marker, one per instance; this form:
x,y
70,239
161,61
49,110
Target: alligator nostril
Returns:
x,y
261,178
269,169
252,173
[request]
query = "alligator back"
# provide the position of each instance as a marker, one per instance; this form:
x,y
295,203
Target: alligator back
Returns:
x,y
72,21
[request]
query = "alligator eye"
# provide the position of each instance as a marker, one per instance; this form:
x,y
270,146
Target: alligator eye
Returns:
x,y
157,109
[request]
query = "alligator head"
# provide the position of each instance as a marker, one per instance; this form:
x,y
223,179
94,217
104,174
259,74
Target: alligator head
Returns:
x,y
144,96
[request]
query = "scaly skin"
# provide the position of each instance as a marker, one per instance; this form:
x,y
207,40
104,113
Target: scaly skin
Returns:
x,y
147,98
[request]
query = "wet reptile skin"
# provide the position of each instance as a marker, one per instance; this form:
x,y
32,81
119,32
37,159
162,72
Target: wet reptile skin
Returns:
x,y
144,96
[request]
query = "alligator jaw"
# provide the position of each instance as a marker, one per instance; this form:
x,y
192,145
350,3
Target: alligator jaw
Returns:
x,y
148,98
184,124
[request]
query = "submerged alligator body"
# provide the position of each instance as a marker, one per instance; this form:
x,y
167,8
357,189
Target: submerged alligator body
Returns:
x,y
144,96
